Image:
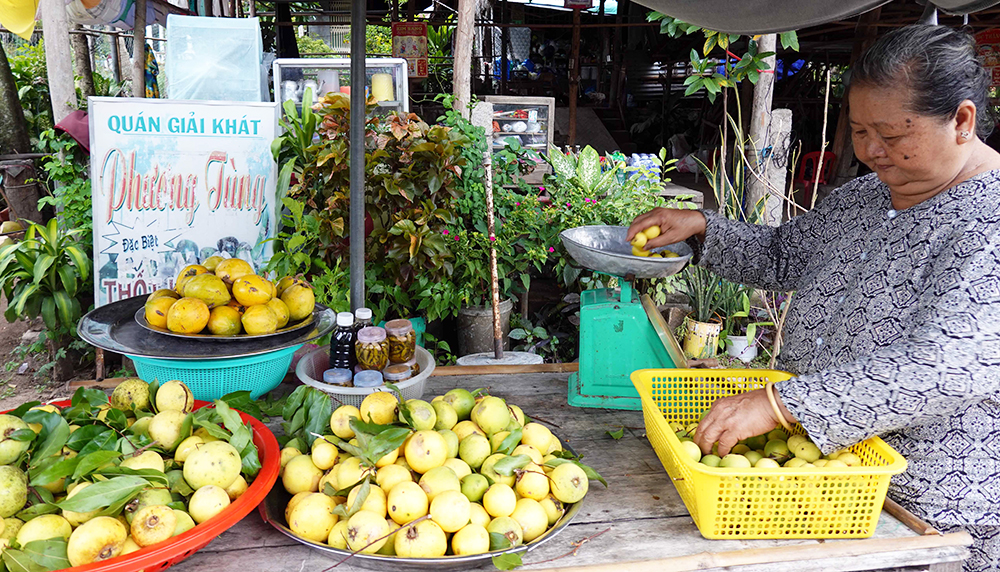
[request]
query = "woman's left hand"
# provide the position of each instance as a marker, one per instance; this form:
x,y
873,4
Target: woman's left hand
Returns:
x,y
734,418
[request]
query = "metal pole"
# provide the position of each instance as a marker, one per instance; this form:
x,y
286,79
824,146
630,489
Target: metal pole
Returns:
x,y
357,138
574,76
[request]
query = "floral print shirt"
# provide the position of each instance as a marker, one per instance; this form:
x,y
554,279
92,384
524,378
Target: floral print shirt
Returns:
x,y
894,330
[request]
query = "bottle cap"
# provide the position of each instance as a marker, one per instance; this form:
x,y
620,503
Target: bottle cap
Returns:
x,y
398,327
371,335
337,376
345,319
363,313
368,378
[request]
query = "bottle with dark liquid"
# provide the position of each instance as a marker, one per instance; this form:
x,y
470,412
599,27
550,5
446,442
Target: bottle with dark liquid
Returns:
x,y
342,343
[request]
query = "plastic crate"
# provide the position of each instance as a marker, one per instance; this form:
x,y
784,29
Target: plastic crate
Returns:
x,y
165,554
311,367
759,503
210,379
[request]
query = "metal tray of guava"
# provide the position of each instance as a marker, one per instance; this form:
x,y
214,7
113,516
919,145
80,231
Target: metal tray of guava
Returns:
x,y
140,318
114,328
604,249
272,510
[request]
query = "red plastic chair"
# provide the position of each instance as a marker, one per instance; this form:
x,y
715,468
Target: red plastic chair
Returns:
x,y
806,174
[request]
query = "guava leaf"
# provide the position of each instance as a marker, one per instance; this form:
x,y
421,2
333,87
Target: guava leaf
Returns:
x,y
359,500
590,472
21,435
359,426
24,408
510,442
294,402
241,401
211,428
616,435
37,510
507,561
92,461
318,410
155,478
79,438
53,471
49,554
93,397
105,493
507,465
103,442
153,388
499,541
177,505
53,436
386,441
116,419
18,561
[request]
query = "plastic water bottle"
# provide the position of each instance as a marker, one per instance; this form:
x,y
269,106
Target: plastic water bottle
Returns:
x,y
342,343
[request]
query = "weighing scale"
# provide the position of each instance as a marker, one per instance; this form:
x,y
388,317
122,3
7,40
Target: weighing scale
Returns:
x,y
620,331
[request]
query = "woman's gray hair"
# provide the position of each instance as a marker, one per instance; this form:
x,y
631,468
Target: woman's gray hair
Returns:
x,y
937,63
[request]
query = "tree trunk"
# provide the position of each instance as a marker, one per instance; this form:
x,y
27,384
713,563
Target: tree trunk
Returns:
x,y
760,129
58,59
81,53
464,33
63,369
13,130
139,50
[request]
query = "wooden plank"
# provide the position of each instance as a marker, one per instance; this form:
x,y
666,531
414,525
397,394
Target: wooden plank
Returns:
x,y
908,518
107,383
451,370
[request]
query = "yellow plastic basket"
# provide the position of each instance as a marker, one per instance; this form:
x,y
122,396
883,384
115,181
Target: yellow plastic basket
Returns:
x,y
759,503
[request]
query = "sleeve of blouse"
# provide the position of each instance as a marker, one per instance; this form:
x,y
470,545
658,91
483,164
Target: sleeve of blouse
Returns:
x,y
768,257
948,361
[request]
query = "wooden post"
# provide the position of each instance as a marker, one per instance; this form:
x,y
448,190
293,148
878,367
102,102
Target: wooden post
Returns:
x,y
864,36
760,126
58,58
616,53
464,33
139,50
81,54
574,76
604,50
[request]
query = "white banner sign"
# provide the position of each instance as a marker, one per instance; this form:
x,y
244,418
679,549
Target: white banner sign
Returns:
x,y
175,182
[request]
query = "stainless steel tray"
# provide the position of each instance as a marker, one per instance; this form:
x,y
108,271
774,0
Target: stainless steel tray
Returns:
x,y
272,510
113,328
604,249
140,318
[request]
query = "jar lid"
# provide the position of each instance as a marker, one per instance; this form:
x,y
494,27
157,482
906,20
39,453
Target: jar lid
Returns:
x,y
337,376
371,335
397,372
363,313
345,319
368,378
412,364
398,327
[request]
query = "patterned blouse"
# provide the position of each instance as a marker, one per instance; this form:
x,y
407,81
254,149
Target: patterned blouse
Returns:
x,y
894,330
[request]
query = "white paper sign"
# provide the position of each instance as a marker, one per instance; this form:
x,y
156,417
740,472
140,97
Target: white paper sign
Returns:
x,y
175,182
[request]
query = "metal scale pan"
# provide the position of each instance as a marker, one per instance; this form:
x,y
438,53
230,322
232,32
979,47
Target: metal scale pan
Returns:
x,y
114,328
604,249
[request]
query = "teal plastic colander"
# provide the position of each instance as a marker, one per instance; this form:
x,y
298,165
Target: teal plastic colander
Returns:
x,y
210,379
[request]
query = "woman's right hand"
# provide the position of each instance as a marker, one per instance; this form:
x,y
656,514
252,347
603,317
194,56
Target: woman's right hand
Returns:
x,y
676,225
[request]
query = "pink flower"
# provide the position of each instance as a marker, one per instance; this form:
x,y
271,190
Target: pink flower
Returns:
x,y
541,189
444,232
456,237
552,249
517,204
493,239
568,205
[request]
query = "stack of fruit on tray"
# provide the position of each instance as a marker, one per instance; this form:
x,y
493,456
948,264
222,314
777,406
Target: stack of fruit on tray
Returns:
x,y
97,479
769,451
224,297
461,475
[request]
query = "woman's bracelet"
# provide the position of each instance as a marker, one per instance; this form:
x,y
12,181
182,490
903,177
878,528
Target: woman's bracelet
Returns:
x,y
769,389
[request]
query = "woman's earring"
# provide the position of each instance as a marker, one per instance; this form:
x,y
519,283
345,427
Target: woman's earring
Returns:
x,y
964,134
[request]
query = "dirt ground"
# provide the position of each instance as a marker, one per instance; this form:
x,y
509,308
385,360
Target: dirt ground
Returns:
x,y
19,378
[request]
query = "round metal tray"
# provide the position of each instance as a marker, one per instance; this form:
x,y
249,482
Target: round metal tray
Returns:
x,y
140,318
604,249
114,328
272,510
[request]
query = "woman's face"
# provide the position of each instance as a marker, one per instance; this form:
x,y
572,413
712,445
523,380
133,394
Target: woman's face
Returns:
x,y
915,155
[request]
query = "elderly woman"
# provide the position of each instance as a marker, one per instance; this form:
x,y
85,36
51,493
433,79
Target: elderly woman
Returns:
x,y
894,329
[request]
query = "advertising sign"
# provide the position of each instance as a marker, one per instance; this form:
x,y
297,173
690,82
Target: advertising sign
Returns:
x,y
988,46
409,41
578,4
175,182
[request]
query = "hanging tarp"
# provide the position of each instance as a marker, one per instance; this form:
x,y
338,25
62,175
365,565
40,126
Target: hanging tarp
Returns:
x,y
763,16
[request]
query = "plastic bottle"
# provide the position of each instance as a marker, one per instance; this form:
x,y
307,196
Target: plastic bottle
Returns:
x,y
342,342
362,318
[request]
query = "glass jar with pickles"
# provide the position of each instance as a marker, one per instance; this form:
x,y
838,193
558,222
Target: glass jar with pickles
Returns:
x,y
372,348
402,340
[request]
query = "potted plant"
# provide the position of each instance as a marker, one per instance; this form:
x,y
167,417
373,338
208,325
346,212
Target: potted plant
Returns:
x,y
45,275
739,332
701,338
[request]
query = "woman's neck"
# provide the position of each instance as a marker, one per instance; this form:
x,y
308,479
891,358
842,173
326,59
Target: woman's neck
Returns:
x,y
982,159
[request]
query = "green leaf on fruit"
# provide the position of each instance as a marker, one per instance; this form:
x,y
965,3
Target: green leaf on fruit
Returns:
x,y
37,510
155,478
616,435
507,561
499,541
590,472
103,494
510,442
79,438
56,468
508,465
359,500
18,561
93,461
24,408
22,435
49,554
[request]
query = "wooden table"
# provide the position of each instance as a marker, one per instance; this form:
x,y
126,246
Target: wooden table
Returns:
x,y
641,516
